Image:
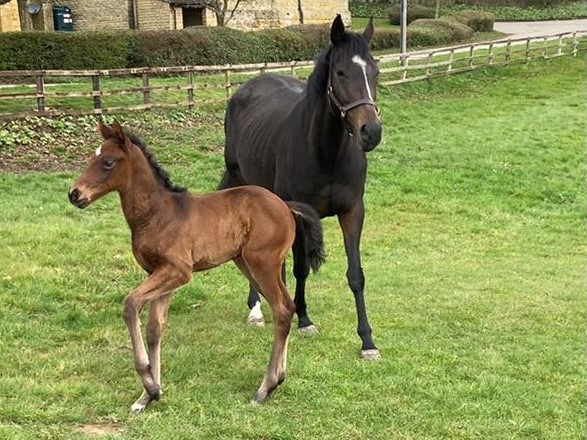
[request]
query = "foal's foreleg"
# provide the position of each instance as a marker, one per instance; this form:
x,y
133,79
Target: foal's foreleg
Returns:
x,y
158,287
158,311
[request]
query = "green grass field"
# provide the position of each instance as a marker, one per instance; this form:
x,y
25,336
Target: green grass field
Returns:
x,y
473,249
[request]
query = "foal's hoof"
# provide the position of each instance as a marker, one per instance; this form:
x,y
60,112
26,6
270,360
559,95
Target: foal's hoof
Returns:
x,y
256,322
144,401
309,330
370,355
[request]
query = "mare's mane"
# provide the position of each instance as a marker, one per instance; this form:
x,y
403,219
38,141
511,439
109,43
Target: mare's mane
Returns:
x,y
160,174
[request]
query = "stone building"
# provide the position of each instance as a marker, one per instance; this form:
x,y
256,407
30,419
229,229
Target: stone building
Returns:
x,y
9,20
94,15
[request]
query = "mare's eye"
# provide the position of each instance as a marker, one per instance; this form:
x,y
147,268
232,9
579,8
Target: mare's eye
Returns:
x,y
340,73
108,164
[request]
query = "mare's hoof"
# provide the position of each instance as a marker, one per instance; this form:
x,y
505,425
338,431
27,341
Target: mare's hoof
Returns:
x,y
256,322
309,330
370,355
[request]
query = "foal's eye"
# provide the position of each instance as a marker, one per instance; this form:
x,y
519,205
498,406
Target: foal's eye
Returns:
x,y
108,164
340,73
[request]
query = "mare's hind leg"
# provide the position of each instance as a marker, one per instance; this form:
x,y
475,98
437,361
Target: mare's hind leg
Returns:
x,y
267,278
160,284
301,271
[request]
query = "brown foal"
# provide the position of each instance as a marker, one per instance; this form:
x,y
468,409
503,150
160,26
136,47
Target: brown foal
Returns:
x,y
175,233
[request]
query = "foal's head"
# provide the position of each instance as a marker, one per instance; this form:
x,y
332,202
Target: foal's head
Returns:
x,y
352,83
117,164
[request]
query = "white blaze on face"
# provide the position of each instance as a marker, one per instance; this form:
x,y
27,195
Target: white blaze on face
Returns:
x,y
363,65
99,150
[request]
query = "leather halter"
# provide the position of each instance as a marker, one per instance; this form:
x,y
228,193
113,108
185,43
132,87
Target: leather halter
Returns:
x,y
344,109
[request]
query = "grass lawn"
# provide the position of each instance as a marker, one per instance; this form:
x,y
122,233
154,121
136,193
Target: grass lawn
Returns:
x,y
473,249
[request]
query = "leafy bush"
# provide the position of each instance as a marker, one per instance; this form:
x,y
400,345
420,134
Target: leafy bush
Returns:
x,y
479,21
415,12
430,32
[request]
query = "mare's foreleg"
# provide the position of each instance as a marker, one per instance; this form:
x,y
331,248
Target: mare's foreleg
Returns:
x,y
158,289
351,224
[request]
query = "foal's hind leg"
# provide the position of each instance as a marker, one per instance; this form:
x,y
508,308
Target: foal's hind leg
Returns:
x,y
268,280
255,317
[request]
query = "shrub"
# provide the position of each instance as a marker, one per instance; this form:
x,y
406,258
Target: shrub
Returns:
x,y
479,21
429,32
415,12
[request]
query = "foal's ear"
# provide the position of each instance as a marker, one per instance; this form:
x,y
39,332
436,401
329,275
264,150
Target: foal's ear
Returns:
x,y
337,30
368,32
119,134
104,130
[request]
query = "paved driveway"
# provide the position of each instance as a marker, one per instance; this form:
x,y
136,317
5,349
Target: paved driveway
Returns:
x,y
524,29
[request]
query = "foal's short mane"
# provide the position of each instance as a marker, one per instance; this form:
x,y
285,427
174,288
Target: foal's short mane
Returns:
x,y
159,172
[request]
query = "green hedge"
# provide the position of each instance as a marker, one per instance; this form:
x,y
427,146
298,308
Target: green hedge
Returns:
x,y
479,21
195,46
415,12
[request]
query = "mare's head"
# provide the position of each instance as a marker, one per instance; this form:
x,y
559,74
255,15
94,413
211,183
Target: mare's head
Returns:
x,y
113,166
352,83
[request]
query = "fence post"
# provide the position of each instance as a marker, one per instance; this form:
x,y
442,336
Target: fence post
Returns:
x,y
508,50
40,79
471,53
560,45
451,60
405,60
575,44
527,53
490,54
191,90
146,89
96,94
227,85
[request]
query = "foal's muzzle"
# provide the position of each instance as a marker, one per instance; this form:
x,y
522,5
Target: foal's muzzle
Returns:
x,y
77,200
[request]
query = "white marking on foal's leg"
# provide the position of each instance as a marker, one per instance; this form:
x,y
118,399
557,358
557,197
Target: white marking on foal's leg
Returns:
x,y
363,65
99,150
256,315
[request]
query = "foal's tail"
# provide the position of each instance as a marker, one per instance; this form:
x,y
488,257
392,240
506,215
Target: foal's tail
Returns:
x,y
308,247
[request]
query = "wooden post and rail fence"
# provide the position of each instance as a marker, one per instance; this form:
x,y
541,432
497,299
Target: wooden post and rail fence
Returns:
x,y
45,92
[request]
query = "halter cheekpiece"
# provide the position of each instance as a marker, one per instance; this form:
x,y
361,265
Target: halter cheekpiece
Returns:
x,y
344,109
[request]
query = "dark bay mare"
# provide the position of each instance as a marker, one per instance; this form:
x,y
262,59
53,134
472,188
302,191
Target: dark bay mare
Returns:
x,y
175,233
307,142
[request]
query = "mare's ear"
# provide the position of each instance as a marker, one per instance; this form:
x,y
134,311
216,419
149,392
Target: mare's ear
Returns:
x,y
119,134
337,30
368,32
104,130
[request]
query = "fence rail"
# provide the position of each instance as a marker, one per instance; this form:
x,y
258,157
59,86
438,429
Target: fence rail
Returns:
x,y
49,92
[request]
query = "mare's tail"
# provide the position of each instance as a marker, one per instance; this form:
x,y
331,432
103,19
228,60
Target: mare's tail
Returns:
x,y
308,247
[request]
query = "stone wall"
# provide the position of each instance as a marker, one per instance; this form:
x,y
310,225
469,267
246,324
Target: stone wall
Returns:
x,y
98,15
